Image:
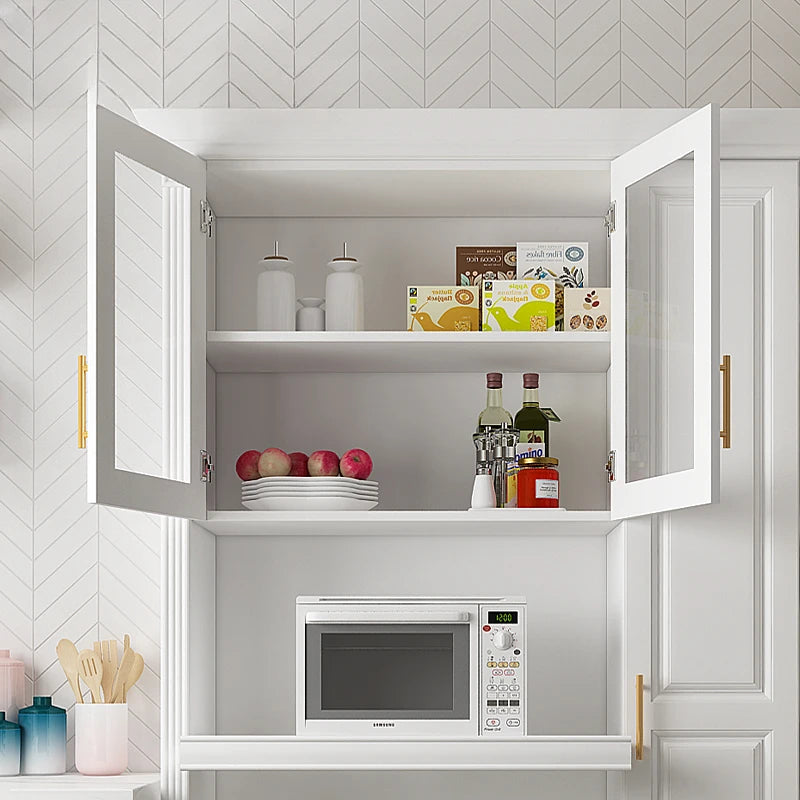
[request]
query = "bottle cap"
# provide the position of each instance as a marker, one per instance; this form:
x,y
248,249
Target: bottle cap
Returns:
x,y
530,380
494,380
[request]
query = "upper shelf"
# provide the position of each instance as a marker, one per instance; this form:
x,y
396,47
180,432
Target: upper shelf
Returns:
x,y
407,351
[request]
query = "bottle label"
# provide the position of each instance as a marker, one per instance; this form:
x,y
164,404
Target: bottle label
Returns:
x,y
535,437
546,489
531,448
511,487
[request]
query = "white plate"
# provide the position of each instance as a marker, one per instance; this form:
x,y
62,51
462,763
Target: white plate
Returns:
x,y
309,504
317,493
303,481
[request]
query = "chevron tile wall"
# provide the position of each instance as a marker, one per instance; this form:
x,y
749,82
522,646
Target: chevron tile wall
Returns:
x,y
70,569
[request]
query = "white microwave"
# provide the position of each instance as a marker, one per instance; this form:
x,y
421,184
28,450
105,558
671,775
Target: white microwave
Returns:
x,y
411,666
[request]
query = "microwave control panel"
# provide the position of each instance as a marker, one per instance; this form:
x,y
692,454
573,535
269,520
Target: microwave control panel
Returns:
x,y
503,669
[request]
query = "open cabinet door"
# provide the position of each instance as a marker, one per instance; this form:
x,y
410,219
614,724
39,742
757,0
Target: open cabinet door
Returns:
x,y
145,381
664,378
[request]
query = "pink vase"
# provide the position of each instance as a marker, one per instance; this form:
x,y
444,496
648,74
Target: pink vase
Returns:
x,y
12,685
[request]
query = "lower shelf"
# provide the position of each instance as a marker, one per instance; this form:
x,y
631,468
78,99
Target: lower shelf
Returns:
x,y
300,753
128,786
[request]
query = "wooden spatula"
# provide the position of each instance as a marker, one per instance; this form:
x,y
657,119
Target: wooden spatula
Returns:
x,y
68,658
107,650
90,668
123,673
133,675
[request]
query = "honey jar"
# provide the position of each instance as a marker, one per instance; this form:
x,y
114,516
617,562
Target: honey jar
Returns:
x,y
537,483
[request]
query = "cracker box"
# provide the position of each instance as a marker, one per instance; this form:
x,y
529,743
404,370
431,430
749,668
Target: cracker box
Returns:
x,y
587,309
566,263
518,306
474,265
443,308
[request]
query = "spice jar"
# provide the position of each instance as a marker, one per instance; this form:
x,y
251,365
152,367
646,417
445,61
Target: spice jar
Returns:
x,y
537,483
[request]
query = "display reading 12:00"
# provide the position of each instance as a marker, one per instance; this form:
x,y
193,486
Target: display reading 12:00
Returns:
x,y
503,617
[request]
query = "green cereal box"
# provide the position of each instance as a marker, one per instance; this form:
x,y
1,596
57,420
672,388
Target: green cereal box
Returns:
x,y
443,308
519,305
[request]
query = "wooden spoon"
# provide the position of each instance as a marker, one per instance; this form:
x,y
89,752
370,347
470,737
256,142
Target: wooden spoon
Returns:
x,y
123,673
90,668
68,658
133,675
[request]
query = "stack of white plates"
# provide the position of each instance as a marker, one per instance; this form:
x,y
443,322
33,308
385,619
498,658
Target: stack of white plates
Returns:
x,y
309,494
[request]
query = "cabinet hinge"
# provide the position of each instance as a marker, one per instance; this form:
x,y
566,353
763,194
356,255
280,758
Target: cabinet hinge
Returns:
x,y
610,218
206,467
207,219
612,456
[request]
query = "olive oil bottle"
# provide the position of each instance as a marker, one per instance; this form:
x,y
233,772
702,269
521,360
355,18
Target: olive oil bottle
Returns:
x,y
533,425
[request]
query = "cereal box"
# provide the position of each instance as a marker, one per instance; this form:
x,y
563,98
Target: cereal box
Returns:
x,y
443,308
587,309
474,265
566,263
518,306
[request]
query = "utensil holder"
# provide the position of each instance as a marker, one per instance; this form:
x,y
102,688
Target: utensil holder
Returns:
x,y
101,738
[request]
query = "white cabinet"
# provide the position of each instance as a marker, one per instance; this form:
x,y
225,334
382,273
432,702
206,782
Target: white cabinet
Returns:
x,y
160,352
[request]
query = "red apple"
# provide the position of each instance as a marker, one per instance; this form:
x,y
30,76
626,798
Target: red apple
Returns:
x,y
274,462
247,465
323,463
299,464
356,463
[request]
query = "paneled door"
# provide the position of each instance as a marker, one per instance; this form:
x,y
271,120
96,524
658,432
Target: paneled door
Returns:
x,y
711,593
146,420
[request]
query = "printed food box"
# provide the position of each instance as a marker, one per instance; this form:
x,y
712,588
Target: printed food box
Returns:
x,y
443,308
587,309
518,306
566,263
474,265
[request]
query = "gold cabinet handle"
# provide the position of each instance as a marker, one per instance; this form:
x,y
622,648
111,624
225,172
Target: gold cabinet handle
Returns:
x,y
725,433
639,751
82,432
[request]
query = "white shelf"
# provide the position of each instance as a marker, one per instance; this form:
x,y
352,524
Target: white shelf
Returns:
x,y
300,753
407,351
129,786
501,522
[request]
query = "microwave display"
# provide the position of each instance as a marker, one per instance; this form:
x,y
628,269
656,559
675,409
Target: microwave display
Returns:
x,y
503,617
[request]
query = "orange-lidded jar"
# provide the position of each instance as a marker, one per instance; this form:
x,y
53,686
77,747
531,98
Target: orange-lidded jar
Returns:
x,y
537,483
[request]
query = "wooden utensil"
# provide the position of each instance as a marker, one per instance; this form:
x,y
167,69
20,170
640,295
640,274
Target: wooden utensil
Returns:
x,y
107,650
68,658
133,675
90,668
122,675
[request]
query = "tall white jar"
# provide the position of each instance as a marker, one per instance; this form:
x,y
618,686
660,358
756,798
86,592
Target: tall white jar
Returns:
x,y
276,294
344,295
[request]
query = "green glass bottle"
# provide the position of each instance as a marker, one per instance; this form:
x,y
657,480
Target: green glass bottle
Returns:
x,y
533,425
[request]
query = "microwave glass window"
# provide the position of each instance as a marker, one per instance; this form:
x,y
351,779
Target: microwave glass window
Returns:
x,y
387,671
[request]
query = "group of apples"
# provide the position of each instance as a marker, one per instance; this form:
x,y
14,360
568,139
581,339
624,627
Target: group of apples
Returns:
x,y
273,462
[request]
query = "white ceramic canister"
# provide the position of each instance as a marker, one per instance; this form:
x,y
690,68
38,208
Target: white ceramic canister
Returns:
x,y
344,295
276,294
310,315
12,685
101,738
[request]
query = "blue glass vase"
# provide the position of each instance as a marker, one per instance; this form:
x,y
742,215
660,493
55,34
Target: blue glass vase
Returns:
x,y
9,746
44,738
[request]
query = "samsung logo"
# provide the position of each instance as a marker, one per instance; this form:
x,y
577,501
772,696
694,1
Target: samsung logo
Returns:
x,y
383,724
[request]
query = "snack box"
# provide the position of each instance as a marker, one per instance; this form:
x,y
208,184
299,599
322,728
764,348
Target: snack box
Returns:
x,y
443,308
566,263
518,306
474,265
587,309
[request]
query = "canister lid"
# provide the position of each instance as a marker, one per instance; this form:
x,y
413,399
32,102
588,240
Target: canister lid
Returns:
x,y
538,461
7,661
42,705
6,724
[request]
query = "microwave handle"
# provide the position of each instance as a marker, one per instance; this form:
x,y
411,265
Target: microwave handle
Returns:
x,y
382,617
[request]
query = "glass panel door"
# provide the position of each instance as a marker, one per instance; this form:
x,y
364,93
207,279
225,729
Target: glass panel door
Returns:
x,y
146,343
409,671
665,320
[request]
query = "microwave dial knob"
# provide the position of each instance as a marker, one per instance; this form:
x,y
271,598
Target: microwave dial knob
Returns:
x,y
502,640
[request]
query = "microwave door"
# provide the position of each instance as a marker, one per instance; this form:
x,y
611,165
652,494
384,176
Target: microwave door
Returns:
x,y
403,677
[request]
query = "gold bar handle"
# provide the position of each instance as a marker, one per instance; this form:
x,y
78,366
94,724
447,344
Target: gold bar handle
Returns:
x,y
725,433
639,751
82,432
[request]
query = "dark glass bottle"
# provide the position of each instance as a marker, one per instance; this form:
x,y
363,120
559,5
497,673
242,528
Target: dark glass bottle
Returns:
x,y
533,425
